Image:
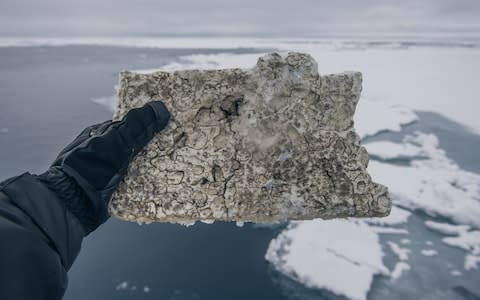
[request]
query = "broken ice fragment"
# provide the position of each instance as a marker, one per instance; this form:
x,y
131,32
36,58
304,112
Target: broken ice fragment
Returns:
x,y
272,143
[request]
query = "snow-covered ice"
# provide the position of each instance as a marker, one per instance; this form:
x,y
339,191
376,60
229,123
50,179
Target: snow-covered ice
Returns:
x,y
461,236
125,285
239,223
390,150
208,221
447,229
399,269
455,273
436,184
429,252
387,117
471,261
329,261
397,216
122,286
432,182
402,253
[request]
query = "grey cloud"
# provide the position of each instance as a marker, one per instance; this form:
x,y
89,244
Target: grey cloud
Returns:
x,y
299,17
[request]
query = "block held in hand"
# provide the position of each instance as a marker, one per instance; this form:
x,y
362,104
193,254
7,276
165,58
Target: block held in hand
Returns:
x,y
271,143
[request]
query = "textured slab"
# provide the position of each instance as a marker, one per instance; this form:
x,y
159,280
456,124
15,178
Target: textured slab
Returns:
x,y
270,143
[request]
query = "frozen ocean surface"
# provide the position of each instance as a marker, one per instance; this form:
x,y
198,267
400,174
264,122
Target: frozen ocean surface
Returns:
x,y
417,117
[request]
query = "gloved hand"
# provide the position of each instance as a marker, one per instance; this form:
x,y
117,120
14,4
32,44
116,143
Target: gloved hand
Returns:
x,y
86,173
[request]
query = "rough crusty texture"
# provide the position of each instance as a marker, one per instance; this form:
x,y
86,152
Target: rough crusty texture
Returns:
x,y
271,143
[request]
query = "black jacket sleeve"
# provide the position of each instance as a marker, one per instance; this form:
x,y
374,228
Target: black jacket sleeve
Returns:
x,y
39,240
44,218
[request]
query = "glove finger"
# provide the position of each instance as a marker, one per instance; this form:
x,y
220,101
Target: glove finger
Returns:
x,y
140,125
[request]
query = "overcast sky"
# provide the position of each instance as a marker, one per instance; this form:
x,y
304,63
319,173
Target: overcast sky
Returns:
x,y
238,17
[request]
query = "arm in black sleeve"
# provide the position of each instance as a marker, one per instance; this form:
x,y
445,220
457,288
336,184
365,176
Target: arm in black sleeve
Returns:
x,y
40,239
44,218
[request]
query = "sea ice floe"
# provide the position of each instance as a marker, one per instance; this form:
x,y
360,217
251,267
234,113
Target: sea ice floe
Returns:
x,y
461,236
434,184
122,286
319,254
389,150
399,269
372,117
429,252
402,253
397,216
211,221
455,273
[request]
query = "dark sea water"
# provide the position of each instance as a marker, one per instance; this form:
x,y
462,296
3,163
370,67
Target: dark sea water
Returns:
x,y
45,97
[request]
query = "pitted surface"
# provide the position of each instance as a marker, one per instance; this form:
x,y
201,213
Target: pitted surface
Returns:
x,y
271,143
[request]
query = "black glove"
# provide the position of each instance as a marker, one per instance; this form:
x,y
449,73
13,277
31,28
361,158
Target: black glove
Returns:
x,y
86,173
